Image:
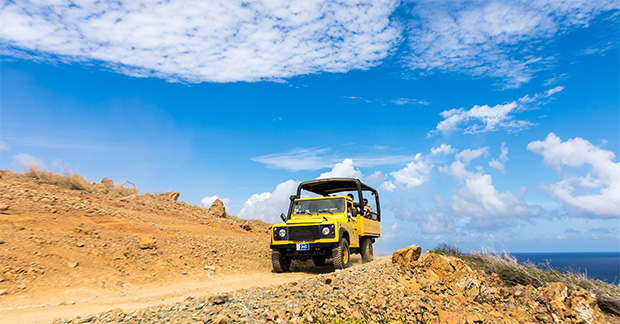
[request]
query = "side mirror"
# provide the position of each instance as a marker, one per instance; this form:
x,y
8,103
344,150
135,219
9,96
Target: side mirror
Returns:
x,y
354,212
283,217
293,197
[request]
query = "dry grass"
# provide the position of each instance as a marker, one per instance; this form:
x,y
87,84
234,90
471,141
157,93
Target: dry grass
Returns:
x,y
74,181
514,272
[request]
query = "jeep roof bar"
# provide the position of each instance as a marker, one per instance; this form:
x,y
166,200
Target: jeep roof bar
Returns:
x,y
328,186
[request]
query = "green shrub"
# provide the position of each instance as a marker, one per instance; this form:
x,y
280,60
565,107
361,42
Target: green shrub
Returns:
x,y
446,249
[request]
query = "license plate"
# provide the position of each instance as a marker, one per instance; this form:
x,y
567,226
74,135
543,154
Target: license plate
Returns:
x,y
303,246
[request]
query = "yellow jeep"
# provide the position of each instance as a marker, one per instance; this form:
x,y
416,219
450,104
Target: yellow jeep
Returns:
x,y
329,224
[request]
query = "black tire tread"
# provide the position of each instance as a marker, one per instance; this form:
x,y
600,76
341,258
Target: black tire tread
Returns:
x,y
366,250
279,263
337,254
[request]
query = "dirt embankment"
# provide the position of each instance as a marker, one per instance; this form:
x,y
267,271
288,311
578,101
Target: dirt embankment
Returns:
x,y
60,246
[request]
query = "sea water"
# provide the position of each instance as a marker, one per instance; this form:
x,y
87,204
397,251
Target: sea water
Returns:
x,y
604,266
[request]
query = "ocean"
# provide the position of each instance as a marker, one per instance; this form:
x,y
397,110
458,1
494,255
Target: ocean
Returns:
x,y
604,266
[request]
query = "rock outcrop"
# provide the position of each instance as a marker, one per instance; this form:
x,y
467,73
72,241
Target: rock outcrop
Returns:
x,y
107,182
172,195
407,255
217,209
450,281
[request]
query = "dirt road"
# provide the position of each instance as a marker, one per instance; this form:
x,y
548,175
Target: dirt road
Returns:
x,y
44,308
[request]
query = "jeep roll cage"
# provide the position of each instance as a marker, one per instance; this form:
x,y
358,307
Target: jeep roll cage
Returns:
x,y
326,187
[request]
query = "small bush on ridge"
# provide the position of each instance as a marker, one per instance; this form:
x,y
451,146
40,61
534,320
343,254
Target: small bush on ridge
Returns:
x,y
74,181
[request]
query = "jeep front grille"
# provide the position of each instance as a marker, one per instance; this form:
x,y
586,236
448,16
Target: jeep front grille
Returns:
x,y
303,233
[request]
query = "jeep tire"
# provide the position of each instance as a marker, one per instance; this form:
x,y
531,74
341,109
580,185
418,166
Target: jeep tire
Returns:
x,y
366,250
280,263
341,254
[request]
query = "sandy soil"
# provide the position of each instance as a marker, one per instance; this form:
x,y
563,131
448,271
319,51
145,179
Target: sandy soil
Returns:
x,y
43,308
69,252
40,308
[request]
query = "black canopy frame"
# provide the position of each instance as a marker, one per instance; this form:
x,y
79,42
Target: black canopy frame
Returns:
x,y
326,187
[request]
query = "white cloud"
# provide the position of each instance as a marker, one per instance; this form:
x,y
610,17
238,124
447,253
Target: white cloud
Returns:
x,y
215,41
443,149
344,169
438,223
26,160
321,158
481,119
499,164
555,90
414,174
408,101
208,201
468,155
4,146
375,178
595,194
369,160
297,159
541,98
502,39
268,206
388,186
569,234
478,199
228,41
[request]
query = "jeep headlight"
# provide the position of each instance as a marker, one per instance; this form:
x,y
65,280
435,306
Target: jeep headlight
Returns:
x,y
328,231
279,233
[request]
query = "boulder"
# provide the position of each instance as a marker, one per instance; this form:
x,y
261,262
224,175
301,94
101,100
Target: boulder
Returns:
x,y
582,305
407,255
147,242
217,209
246,226
172,195
107,182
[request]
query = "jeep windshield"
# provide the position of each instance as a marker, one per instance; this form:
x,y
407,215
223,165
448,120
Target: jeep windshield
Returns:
x,y
319,206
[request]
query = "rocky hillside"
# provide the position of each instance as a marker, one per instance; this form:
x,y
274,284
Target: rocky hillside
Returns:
x,y
63,238
410,288
104,236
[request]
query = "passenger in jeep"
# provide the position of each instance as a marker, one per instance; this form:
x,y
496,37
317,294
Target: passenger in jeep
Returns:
x,y
368,213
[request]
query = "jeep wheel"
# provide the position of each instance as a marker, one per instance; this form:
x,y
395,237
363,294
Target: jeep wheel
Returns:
x,y
340,254
318,261
366,247
279,262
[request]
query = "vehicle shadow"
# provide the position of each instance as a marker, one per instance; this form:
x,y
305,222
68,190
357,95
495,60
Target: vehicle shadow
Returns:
x,y
309,267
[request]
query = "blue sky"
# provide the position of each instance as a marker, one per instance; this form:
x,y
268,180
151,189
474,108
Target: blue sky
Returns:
x,y
486,124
